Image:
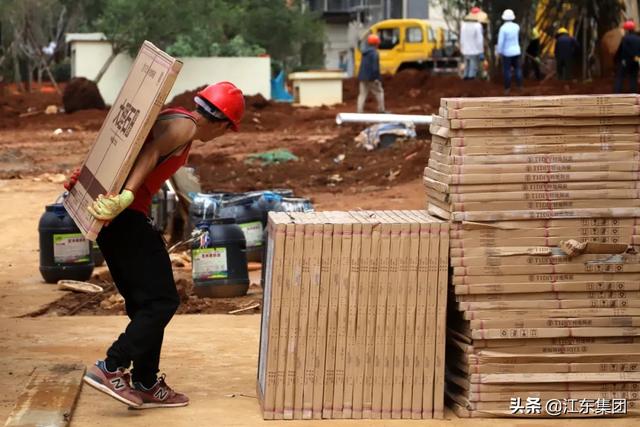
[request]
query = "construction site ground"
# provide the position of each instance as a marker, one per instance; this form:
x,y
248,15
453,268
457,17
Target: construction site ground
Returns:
x,y
211,356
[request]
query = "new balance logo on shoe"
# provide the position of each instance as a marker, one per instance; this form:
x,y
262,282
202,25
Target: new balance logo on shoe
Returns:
x,y
161,394
118,384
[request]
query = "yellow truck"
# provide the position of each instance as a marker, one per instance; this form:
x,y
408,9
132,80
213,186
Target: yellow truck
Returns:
x,y
408,43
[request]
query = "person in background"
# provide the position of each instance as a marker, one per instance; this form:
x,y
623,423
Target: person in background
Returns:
x,y
626,59
566,49
532,60
471,43
509,49
369,74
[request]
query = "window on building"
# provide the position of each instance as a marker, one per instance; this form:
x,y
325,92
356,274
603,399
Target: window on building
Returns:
x,y
395,9
337,5
418,9
389,37
414,35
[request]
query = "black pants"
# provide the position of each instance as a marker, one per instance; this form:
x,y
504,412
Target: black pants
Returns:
x,y
141,269
563,68
509,62
531,64
630,71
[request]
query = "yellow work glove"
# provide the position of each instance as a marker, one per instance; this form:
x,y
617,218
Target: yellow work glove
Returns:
x,y
106,208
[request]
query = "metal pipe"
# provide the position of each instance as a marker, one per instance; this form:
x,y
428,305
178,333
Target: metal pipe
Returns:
x,y
383,118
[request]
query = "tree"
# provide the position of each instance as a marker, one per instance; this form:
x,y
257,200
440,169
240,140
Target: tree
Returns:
x,y
214,28
293,37
284,30
27,26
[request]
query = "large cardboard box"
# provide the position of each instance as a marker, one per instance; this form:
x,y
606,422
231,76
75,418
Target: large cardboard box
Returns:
x,y
517,176
354,303
122,134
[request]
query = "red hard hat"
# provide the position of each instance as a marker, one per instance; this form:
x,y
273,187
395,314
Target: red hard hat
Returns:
x,y
629,25
475,10
227,98
373,39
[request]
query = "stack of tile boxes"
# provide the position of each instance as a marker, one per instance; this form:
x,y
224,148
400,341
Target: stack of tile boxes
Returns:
x,y
516,176
354,312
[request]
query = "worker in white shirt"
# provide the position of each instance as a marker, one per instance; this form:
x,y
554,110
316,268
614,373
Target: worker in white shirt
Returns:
x,y
471,43
509,49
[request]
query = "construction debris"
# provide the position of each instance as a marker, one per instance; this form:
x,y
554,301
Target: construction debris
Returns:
x,y
385,134
51,109
77,286
245,309
114,302
353,321
541,191
49,397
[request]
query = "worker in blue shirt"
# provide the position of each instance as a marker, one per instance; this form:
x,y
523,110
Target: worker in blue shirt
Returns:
x,y
369,75
565,52
626,59
509,49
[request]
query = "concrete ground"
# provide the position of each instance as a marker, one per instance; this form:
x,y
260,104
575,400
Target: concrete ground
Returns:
x,y
212,358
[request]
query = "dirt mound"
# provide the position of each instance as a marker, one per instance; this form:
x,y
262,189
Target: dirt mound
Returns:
x,y
256,102
260,113
418,92
82,94
185,99
320,167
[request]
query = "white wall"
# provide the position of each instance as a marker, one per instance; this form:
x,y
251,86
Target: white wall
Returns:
x,y
252,75
341,38
336,41
436,15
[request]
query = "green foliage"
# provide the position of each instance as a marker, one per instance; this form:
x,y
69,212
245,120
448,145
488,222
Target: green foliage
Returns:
x,y
215,28
62,71
238,46
281,28
127,23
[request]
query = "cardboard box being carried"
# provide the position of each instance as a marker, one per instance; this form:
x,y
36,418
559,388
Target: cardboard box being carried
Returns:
x,y
122,134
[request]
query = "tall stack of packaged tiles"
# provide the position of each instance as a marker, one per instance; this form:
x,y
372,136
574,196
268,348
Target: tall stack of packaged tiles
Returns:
x,y
542,196
354,315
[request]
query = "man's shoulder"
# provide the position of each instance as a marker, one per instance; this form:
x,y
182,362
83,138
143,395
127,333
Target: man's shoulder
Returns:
x,y
179,129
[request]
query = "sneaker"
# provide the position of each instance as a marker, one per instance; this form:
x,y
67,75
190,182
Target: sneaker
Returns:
x,y
159,396
116,384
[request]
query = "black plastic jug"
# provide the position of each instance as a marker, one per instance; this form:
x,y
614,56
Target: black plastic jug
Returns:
x,y
96,253
64,252
219,261
248,216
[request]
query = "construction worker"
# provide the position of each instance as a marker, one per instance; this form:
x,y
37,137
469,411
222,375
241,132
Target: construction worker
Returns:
x,y
471,43
626,59
532,59
509,49
566,49
135,252
369,74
